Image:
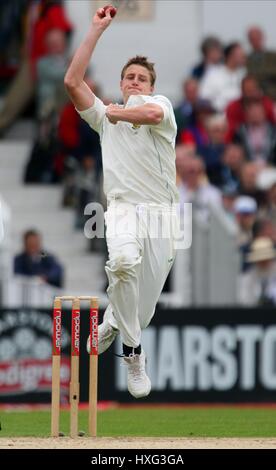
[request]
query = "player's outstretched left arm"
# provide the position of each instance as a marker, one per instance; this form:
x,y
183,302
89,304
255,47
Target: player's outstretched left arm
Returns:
x,y
150,114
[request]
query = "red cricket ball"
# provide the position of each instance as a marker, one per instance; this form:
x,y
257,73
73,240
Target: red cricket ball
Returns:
x,y
112,10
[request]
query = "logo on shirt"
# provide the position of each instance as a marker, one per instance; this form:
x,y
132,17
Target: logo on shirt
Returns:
x,y
136,126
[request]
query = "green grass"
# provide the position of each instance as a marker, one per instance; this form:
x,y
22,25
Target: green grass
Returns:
x,y
152,422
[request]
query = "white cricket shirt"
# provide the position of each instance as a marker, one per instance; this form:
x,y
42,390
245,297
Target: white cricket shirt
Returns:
x,y
138,161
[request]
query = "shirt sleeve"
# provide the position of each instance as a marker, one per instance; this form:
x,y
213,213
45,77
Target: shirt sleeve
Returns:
x,y
167,127
95,115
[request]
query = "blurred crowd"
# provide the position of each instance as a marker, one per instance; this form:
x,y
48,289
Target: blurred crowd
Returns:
x,y
226,140
65,149
225,151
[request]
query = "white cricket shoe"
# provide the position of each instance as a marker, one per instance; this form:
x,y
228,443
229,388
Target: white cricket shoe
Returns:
x,y
137,380
106,336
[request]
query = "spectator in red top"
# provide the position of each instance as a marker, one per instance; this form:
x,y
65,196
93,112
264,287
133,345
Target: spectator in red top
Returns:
x,y
51,16
72,135
235,111
196,134
41,17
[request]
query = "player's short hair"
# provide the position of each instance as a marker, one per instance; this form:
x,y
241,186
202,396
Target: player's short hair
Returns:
x,y
143,61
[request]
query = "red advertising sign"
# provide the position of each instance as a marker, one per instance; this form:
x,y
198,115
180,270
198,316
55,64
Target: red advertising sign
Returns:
x,y
57,332
75,338
29,375
94,331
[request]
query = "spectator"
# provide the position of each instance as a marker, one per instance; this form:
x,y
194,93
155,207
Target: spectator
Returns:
x,y
257,135
76,140
258,284
235,111
34,261
229,194
51,97
256,40
233,159
184,112
266,182
40,18
211,49
195,188
245,209
261,62
212,151
196,134
182,153
248,180
51,69
222,84
265,228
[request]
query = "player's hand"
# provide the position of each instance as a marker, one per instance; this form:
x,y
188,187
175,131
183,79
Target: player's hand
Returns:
x,y
112,114
103,17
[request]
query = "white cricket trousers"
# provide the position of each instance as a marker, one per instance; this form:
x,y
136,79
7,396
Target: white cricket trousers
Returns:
x,y
141,253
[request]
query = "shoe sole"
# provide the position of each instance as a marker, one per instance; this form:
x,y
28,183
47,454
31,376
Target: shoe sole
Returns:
x,y
145,394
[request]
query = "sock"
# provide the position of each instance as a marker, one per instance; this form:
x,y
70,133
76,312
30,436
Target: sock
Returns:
x,y
128,350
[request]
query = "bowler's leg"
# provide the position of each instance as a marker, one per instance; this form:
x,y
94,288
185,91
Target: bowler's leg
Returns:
x,y
122,270
157,262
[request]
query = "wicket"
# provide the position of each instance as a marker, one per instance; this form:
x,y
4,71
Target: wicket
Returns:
x,y
75,353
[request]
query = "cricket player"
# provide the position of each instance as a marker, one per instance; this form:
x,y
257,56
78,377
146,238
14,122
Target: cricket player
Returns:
x,y
138,141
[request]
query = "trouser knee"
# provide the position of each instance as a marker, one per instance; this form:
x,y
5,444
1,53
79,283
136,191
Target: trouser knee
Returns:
x,y
123,267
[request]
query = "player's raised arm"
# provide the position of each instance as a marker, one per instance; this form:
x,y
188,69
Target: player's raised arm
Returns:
x,y
78,90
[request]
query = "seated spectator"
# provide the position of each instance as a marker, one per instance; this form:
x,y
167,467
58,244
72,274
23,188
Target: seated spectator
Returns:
x,y
41,16
184,112
257,287
51,97
51,69
76,139
266,182
256,39
196,134
261,62
195,188
182,153
235,110
211,49
245,209
212,151
233,159
229,194
248,181
264,228
257,136
34,261
222,84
